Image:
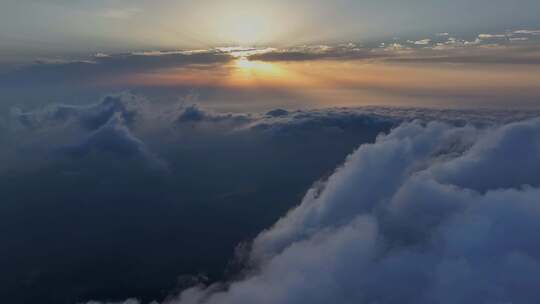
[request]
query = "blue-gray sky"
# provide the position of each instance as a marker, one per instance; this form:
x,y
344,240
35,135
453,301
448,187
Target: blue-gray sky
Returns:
x,y
31,27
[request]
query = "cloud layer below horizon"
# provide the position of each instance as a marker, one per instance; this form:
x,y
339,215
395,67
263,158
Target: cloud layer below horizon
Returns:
x,y
428,201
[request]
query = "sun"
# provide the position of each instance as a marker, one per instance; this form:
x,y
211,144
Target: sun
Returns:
x,y
244,63
249,73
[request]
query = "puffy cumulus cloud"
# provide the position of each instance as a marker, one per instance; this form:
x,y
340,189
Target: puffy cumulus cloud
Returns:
x,y
194,114
88,116
297,124
277,113
150,129
114,137
58,131
282,122
430,213
123,125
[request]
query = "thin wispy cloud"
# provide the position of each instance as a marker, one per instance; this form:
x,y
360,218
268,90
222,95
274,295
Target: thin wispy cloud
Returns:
x,y
122,14
423,42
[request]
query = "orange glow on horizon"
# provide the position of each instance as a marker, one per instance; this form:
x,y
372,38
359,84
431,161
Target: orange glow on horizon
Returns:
x,y
345,83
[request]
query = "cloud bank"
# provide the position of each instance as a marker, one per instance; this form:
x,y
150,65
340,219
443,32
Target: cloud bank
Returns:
x,y
445,188
124,125
430,213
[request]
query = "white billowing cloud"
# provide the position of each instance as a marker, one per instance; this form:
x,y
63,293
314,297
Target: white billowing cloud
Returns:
x,y
428,214
423,42
491,36
527,32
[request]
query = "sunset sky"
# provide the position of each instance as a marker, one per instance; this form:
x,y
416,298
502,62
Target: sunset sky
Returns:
x,y
31,27
301,53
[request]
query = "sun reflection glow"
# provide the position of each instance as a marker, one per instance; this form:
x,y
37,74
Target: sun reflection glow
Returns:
x,y
251,71
246,64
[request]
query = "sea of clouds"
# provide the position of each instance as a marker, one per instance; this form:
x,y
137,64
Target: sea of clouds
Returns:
x,y
443,207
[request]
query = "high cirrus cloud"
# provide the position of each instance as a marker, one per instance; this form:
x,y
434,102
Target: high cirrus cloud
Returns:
x,y
513,47
421,216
